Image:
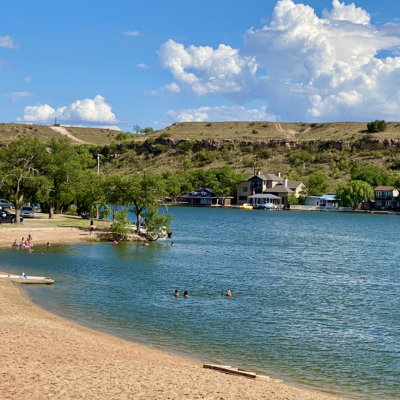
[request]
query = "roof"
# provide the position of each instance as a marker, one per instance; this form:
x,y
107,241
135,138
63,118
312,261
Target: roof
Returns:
x,y
325,197
263,196
385,188
273,177
279,189
204,193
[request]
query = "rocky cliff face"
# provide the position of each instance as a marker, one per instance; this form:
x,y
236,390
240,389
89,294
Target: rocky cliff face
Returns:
x,y
212,144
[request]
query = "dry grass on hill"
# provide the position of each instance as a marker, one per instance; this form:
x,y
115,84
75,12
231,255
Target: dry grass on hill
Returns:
x,y
274,130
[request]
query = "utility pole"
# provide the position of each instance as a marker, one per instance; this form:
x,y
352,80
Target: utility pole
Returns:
x,y
254,164
98,164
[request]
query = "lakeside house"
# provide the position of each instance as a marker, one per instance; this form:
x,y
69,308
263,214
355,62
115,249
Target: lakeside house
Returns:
x,y
205,197
329,201
386,197
269,184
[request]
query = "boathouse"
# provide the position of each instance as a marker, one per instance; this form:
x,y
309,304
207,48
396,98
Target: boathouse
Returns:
x,y
205,197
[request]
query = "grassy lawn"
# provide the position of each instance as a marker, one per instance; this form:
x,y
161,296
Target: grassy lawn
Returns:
x,y
58,221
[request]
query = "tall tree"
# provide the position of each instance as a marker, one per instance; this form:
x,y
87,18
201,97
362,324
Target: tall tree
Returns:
x,y
143,194
354,192
20,164
317,184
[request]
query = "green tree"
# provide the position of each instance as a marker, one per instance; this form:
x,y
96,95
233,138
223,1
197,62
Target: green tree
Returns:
x,y
121,226
291,199
317,184
354,192
376,126
143,194
371,174
20,164
115,189
156,223
137,129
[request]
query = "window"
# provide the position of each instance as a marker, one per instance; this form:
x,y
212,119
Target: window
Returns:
x,y
245,189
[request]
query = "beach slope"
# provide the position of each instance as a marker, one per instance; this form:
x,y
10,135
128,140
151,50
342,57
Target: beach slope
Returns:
x,y
44,356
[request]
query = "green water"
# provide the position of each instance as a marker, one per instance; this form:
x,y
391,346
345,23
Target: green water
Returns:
x,y
316,295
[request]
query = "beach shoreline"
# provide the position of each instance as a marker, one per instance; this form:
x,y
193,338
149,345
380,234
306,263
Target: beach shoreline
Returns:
x,y
44,355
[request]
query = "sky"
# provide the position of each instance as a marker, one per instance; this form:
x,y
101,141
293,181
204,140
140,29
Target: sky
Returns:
x,y
151,63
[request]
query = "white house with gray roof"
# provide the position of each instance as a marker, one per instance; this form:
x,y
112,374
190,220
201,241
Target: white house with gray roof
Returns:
x,y
268,184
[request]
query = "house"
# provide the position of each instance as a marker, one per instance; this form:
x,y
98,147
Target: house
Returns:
x,y
205,197
386,197
327,200
268,184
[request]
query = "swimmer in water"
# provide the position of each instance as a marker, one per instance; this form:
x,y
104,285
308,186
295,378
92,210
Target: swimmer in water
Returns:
x,y
228,293
176,294
172,244
185,294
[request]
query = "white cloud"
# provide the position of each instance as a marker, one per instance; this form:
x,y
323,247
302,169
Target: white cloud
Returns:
x,y
142,65
132,33
303,65
16,95
8,41
169,88
91,112
220,114
27,79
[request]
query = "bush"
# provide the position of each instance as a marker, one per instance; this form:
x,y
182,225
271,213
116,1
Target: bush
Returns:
x,y
254,132
265,154
208,124
150,141
164,135
147,131
248,162
300,157
187,145
123,136
252,123
203,157
248,149
376,126
376,154
160,148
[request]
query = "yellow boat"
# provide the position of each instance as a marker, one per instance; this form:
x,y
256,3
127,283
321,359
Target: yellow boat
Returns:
x,y
245,207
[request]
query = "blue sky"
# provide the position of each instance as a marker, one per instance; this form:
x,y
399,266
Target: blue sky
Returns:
x,y
120,63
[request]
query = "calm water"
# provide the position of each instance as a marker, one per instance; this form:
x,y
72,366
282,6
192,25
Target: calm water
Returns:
x,y
316,295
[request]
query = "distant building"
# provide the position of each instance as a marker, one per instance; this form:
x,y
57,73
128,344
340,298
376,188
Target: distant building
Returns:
x,y
327,200
386,197
205,197
268,184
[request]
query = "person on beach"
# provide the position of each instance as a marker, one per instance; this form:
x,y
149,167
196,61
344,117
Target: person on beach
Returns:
x,y
185,294
91,227
23,276
29,239
16,244
176,294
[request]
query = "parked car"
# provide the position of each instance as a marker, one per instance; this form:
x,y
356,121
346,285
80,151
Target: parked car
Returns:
x,y
27,212
6,216
6,204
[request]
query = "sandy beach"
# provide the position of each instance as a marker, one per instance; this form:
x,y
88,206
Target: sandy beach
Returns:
x,y
44,356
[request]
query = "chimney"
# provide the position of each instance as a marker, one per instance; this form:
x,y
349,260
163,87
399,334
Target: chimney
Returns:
x,y
278,174
285,182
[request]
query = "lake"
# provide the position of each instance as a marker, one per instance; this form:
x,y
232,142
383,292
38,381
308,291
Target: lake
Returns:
x,y
316,295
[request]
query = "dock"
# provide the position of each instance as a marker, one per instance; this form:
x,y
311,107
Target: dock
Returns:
x,y
239,372
38,280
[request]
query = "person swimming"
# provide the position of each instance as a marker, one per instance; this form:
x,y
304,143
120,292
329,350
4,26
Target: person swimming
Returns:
x,y
228,293
185,294
172,244
176,293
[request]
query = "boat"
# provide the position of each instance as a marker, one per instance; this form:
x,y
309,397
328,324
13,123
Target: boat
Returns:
x,y
28,279
245,206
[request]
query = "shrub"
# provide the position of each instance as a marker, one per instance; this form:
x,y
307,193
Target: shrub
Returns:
x,y
252,124
164,135
300,157
160,148
203,157
207,124
248,162
376,154
265,125
376,126
187,145
254,132
248,149
265,154
123,136
150,141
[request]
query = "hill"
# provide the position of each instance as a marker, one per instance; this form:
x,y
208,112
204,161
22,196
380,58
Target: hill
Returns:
x,y
296,150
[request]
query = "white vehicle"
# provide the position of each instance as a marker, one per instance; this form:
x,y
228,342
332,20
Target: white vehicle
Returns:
x,y
27,212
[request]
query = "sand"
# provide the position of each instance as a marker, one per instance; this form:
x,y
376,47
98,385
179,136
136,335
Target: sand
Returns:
x,y
43,235
44,356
